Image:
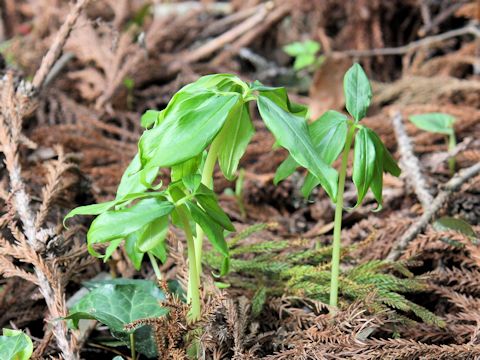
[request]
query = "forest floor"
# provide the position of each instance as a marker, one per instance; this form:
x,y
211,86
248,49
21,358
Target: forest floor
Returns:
x,y
78,77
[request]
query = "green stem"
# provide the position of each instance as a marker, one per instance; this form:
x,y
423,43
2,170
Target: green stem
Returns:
x,y
154,263
193,276
207,180
452,143
132,347
337,230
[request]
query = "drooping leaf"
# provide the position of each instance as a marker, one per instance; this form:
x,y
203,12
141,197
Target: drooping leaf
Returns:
x,y
377,181
328,135
291,132
135,180
446,223
187,129
213,230
219,82
135,256
389,163
207,199
153,235
115,224
186,168
358,92
96,209
15,345
118,302
363,163
286,168
434,122
233,139
149,118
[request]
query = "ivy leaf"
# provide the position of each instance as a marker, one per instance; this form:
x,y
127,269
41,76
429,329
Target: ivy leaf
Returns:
x,y
363,163
358,92
434,122
190,123
15,345
291,132
116,224
116,303
233,139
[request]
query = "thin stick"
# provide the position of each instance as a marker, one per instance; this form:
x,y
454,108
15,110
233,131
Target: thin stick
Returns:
x,y
154,263
409,162
467,30
55,50
453,185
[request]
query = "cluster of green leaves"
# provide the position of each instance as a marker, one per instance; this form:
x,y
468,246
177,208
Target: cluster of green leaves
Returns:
x,y
117,303
211,111
15,345
284,267
305,54
330,132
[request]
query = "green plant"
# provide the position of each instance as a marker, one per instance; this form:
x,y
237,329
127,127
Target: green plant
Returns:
x,y
294,268
438,123
15,345
119,302
210,113
333,133
305,54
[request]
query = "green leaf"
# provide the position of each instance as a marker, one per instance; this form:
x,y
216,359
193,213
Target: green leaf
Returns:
x,y
149,118
191,122
292,133
377,182
299,48
186,168
15,345
363,163
304,60
131,181
115,224
358,92
118,302
153,235
96,209
218,82
450,223
233,139
207,199
213,230
135,256
434,122
286,168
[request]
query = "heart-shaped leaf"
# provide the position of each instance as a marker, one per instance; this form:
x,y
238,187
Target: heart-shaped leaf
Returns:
x,y
119,302
15,345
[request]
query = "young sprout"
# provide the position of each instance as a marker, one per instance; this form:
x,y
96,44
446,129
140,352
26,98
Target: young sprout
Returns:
x,y
333,133
205,123
305,54
438,123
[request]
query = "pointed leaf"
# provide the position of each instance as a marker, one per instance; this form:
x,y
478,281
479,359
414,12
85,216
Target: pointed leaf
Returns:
x,y
135,256
363,163
115,224
450,223
188,167
233,139
213,231
153,235
149,118
358,92
434,122
131,178
286,168
188,128
291,132
207,199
